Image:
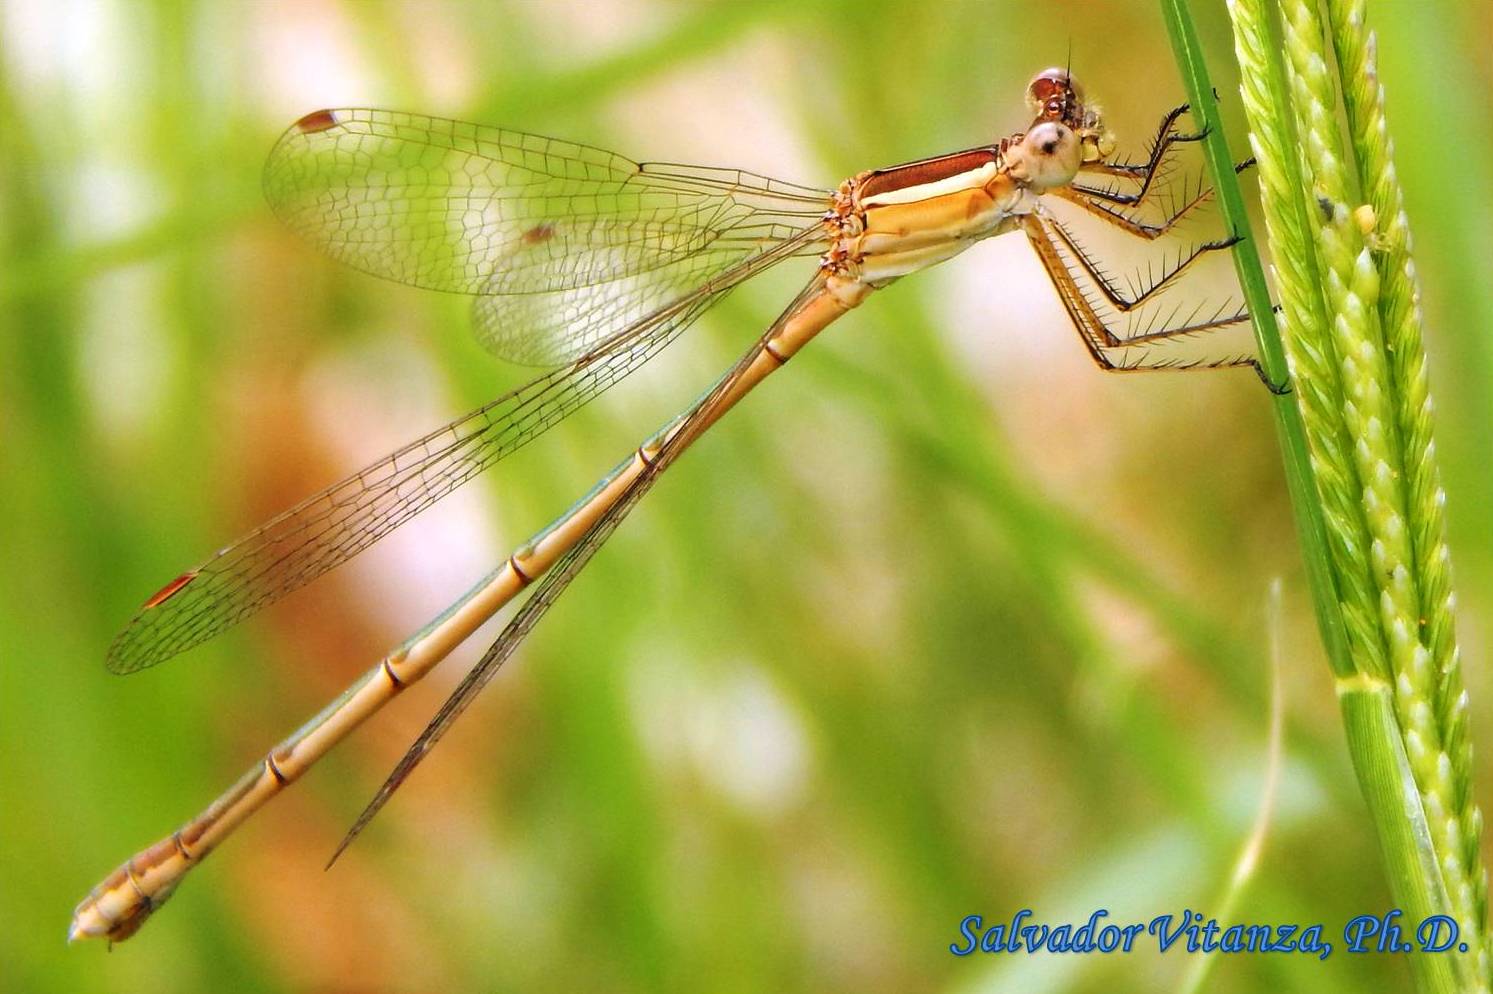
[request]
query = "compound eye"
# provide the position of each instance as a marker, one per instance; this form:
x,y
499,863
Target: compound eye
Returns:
x,y
1049,138
1054,153
1051,90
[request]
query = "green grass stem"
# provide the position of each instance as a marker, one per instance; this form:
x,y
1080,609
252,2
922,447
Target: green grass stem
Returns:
x,y
1364,485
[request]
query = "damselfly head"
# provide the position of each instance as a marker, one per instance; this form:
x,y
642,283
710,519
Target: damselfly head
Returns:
x,y
1055,96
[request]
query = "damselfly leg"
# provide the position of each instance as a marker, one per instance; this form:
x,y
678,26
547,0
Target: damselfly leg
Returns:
x,y
1082,282
1156,166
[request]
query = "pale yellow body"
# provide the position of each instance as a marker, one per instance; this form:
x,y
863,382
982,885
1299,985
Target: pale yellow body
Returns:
x,y
905,236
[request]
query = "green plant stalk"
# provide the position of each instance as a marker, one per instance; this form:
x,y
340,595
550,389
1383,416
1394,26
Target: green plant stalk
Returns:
x,y
1289,222
1388,418
1299,472
1360,502
1439,681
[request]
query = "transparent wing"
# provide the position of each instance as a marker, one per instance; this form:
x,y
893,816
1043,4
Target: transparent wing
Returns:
x,y
331,527
460,207
550,329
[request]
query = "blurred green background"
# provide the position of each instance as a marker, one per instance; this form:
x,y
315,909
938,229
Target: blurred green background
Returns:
x,y
943,621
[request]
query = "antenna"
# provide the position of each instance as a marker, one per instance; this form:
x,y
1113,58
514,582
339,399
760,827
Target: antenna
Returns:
x,y
1069,94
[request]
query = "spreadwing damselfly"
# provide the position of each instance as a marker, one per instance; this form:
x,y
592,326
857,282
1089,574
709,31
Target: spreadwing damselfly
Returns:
x,y
588,264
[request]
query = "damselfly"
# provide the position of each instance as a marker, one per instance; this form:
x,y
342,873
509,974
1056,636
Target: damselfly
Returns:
x,y
589,263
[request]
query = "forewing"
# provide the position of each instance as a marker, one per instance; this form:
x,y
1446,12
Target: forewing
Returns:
x,y
550,329
461,207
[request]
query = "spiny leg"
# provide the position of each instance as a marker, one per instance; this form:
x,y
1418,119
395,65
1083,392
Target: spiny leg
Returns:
x,y
1153,285
1156,166
1100,204
1147,171
1109,350
1127,220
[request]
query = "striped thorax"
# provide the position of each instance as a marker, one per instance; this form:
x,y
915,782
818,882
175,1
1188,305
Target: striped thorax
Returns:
x,y
887,223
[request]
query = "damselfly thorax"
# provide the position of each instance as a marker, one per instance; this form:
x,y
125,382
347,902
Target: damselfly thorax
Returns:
x,y
891,222
588,263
